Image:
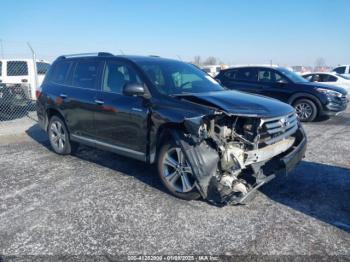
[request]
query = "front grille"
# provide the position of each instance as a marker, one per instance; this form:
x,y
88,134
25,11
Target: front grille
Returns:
x,y
278,128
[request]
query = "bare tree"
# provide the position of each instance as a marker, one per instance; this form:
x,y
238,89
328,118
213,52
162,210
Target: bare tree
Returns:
x,y
319,63
211,60
197,60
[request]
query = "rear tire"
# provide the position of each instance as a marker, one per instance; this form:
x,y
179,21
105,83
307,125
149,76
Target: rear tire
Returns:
x,y
306,110
175,172
59,137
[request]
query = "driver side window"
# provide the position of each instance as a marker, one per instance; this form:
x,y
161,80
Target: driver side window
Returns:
x,y
117,75
270,76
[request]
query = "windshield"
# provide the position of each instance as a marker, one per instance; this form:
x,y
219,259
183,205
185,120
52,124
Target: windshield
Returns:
x,y
292,76
175,78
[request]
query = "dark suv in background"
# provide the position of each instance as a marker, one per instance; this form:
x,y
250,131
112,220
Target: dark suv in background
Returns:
x,y
206,141
309,99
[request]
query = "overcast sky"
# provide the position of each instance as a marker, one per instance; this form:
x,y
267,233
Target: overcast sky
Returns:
x,y
290,32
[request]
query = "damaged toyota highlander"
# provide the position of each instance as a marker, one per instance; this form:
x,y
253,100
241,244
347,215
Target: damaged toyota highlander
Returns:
x,y
205,140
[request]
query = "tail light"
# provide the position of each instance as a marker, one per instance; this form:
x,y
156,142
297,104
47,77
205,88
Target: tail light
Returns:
x,y
37,93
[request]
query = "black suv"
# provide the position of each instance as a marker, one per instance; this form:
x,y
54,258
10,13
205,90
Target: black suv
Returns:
x,y
206,141
309,99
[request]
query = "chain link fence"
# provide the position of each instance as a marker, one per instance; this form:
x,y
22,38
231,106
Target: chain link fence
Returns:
x,y
19,79
16,102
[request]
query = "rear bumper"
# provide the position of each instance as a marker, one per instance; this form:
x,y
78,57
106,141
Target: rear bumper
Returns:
x,y
42,117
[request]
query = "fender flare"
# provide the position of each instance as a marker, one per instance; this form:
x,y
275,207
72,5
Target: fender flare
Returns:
x,y
49,108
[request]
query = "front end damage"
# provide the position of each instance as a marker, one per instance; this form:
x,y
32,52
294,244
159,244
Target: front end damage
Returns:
x,y
232,156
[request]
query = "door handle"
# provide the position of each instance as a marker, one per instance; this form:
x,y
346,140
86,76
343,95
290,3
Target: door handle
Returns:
x,y
24,80
99,102
63,96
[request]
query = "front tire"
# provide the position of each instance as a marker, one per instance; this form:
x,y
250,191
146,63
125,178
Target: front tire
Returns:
x,y
59,137
175,172
306,110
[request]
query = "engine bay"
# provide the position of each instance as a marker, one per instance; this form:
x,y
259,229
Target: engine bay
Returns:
x,y
228,153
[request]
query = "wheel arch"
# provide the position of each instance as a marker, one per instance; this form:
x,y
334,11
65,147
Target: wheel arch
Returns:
x,y
163,134
50,112
311,97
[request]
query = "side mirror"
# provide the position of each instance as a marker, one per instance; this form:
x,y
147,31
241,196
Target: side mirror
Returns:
x,y
133,90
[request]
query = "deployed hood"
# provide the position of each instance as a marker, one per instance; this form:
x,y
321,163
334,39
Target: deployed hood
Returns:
x,y
239,103
321,85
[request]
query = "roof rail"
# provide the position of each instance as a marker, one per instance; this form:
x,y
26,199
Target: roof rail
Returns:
x,y
86,54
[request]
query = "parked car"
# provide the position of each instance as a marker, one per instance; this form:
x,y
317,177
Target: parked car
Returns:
x,y
309,99
212,70
329,78
342,70
207,141
21,71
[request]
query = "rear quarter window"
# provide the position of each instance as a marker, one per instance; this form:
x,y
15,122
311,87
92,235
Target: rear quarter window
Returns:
x,y
17,68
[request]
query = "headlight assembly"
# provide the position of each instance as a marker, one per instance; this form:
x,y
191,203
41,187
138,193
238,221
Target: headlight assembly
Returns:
x,y
329,92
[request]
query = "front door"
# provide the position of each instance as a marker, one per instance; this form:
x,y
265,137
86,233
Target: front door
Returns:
x,y
273,84
121,120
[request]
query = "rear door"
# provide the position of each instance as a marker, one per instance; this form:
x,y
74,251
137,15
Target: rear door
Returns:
x,y
76,83
241,79
121,120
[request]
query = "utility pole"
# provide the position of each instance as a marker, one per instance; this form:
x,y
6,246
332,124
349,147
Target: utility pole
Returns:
x,y
33,90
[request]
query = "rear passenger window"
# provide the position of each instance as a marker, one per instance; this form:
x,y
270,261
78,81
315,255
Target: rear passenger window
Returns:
x,y
60,72
85,74
247,75
329,78
17,68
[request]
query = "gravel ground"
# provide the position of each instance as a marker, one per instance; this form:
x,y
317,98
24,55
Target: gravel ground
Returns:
x,y
97,203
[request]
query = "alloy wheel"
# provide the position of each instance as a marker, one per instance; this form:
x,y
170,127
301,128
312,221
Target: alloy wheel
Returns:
x,y
303,110
57,136
177,172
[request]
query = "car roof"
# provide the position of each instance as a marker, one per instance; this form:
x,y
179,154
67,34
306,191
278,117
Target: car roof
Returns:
x,y
257,66
133,58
